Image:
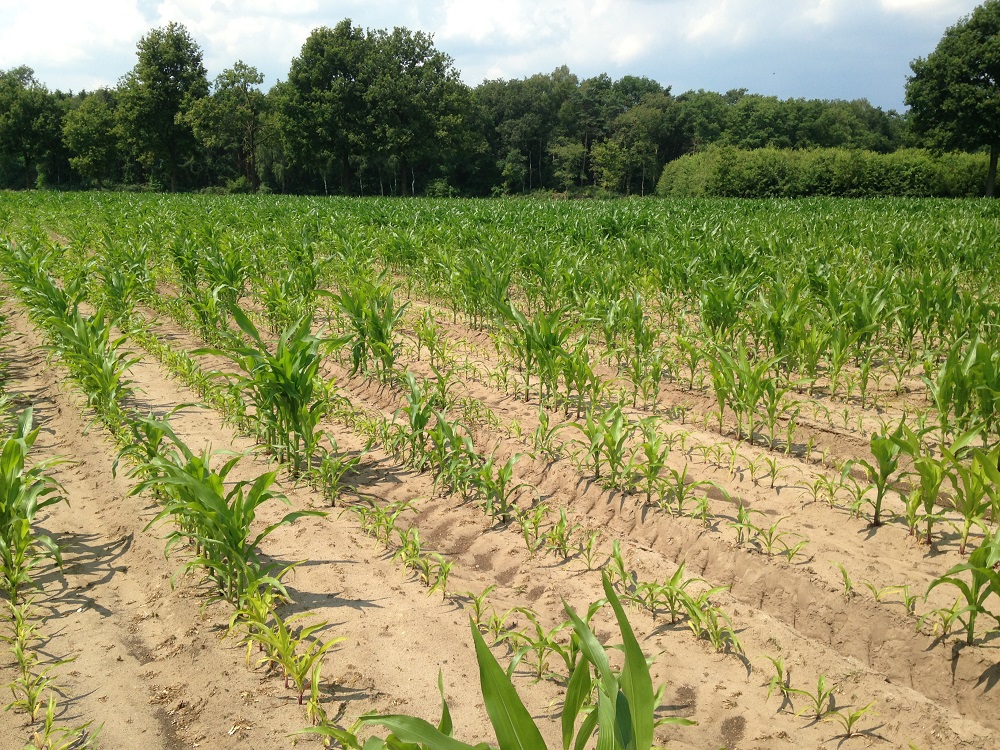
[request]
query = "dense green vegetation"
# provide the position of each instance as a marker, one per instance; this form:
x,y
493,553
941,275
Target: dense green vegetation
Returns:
x,y
727,172
816,284
372,112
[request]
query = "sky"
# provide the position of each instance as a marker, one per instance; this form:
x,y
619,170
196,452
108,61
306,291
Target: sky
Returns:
x,y
825,49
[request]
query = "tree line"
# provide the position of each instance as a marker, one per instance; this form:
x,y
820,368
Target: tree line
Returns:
x,y
365,112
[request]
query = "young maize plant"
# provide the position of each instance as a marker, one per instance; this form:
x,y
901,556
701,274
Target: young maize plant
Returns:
x,y
28,267
96,362
372,318
23,493
983,587
118,284
952,387
608,436
498,489
419,411
294,649
886,451
931,472
579,377
536,345
976,485
82,342
51,736
217,523
285,388
622,715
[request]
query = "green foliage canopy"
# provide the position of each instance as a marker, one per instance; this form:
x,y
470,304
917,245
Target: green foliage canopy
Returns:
x,y
954,92
165,82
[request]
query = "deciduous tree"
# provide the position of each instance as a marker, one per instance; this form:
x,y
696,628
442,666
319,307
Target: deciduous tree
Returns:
x,y
29,119
89,133
167,80
231,121
323,117
954,92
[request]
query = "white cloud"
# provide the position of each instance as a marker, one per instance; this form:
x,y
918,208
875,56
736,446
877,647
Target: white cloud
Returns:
x,y
933,8
630,47
51,32
73,44
718,23
517,22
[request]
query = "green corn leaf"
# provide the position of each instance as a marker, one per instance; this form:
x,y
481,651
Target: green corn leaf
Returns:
x,y
586,730
577,692
606,721
513,725
635,682
445,726
593,652
411,729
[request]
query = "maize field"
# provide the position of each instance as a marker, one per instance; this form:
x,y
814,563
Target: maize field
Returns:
x,y
394,473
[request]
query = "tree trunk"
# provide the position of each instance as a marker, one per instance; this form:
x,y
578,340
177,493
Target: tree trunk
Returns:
x,y
991,175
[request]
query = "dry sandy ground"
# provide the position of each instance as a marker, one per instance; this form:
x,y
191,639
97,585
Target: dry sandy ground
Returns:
x,y
152,666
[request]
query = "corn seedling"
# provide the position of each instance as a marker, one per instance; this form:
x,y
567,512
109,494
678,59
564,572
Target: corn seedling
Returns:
x,y
849,719
540,646
478,604
617,571
284,387
544,437
29,688
769,537
878,594
216,522
858,492
814,488
774,468
909,600
53,737
681,489
499,489
976,486
589,548
790,551
330,470
846,580
984,583
372,317
23,493
886,450
530,520
754,466
710,623
673,593
781,681
441,572
559,538
293,649
745,530
942,620
820,702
